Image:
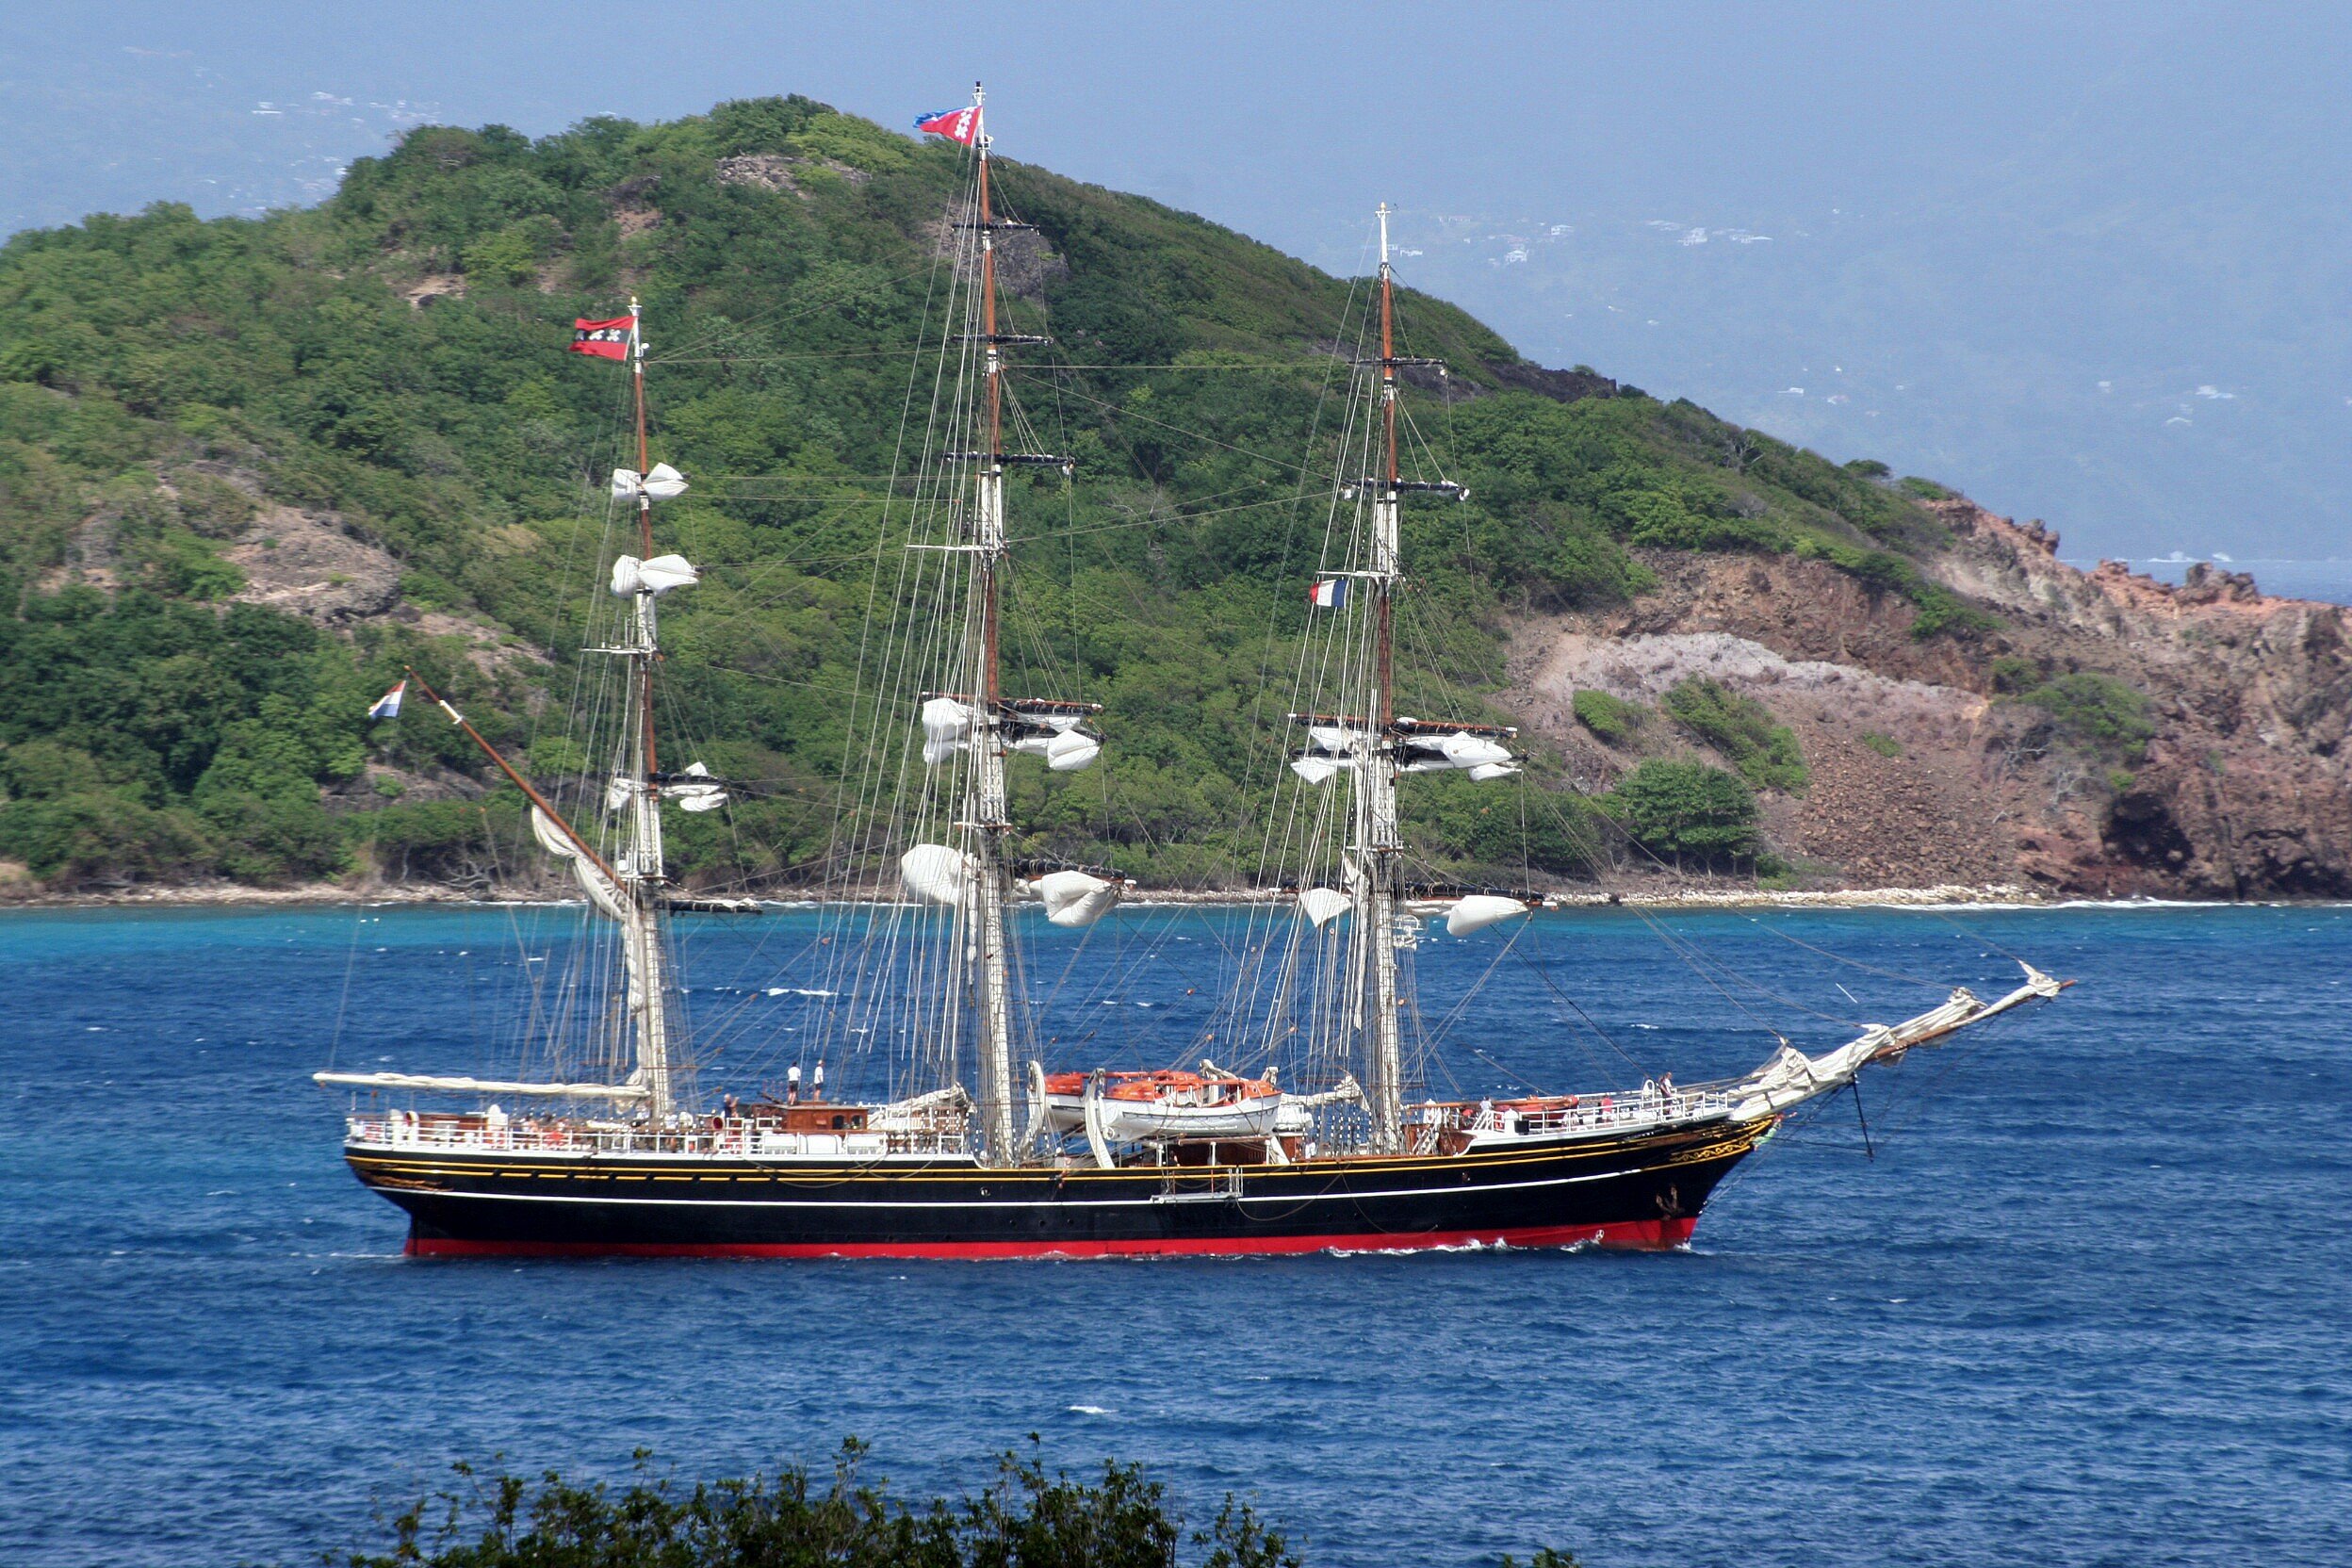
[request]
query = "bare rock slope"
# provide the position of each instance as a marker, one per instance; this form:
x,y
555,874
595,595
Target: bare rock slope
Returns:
x,y
1931,761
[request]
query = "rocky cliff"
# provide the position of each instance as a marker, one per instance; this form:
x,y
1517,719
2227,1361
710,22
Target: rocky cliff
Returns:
x,y
1968,759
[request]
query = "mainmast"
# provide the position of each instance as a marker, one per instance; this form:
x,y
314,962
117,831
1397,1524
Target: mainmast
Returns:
x,y
987,818
998,726
1374,879
1387,745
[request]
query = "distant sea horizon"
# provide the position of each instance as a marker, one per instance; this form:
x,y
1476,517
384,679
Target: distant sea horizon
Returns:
x,y
2329,581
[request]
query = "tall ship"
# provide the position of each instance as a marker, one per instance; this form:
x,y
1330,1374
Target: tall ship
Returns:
x,y
1300,1122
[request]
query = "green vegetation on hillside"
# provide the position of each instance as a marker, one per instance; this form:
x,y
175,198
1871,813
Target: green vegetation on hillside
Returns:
x,y
1764,752
393,363
1612,719
1885,745
1677,809
2098,710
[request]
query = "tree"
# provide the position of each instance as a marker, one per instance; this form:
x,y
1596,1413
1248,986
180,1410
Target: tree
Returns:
x,y
1678,809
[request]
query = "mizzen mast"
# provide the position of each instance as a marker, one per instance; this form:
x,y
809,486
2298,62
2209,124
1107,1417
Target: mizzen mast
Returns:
x,y
1376,866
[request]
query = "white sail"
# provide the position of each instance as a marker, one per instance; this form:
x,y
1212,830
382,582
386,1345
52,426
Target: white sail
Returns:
x,y
1322,906
599,889
1073,898
440,1085
692,796
658,575
934,873
1071,751
1465,750
659,483
1479,911
1487,772
1332,737
1320,769
947,726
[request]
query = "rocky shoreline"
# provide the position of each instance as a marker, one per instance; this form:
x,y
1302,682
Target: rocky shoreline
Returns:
x,y
328,895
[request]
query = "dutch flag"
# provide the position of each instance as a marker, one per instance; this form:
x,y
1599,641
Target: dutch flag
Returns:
x,y
388,705
1330,594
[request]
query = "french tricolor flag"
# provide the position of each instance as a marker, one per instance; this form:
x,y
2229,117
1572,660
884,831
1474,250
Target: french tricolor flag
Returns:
x,y
388,705
1330,594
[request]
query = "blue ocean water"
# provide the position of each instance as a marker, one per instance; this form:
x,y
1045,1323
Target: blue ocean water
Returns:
x,y
2089,1305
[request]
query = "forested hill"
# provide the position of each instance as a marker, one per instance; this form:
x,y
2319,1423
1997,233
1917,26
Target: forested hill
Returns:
x,y
247,470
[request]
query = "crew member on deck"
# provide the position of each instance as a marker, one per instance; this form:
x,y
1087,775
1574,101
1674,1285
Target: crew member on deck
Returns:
x,y
791,1085
817,1084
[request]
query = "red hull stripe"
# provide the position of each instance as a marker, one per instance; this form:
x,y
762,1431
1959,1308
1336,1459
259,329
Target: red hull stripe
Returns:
x,y
1652,1234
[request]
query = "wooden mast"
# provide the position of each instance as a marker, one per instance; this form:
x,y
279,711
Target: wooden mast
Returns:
x,y
1378,840
991,889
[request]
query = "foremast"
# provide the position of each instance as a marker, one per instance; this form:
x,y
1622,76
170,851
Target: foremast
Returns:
x,y
642,871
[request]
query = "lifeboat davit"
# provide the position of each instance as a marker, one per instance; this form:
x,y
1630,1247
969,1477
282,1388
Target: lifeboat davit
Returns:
x,y
1163,1103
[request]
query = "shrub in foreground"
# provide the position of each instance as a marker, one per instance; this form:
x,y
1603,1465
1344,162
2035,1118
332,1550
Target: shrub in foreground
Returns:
x,y
1025,1519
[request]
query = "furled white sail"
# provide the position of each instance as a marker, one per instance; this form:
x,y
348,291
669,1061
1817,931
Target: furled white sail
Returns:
x,y
1465,750
1322,906
1071,751
1483,772
947,725
1479,911
477,1086
1332,737
1073,898
658,575
660,482
599,889
692,796
1320,769
934,873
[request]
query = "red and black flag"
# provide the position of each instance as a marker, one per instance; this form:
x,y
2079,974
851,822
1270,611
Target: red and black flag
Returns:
x,y
604,339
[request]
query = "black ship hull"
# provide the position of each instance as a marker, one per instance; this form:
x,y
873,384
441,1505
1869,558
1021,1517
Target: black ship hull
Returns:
x,y
1642,1190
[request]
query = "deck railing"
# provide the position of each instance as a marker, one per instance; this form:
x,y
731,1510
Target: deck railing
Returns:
x,y
734,1139
1588,1113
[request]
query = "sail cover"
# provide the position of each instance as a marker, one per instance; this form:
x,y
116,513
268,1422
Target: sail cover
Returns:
x,y
934,873
599,889
1480,910
1071,751
1073,898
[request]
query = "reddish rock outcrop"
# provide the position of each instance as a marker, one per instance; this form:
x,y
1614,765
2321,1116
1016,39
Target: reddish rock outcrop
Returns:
x,y
1925,766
